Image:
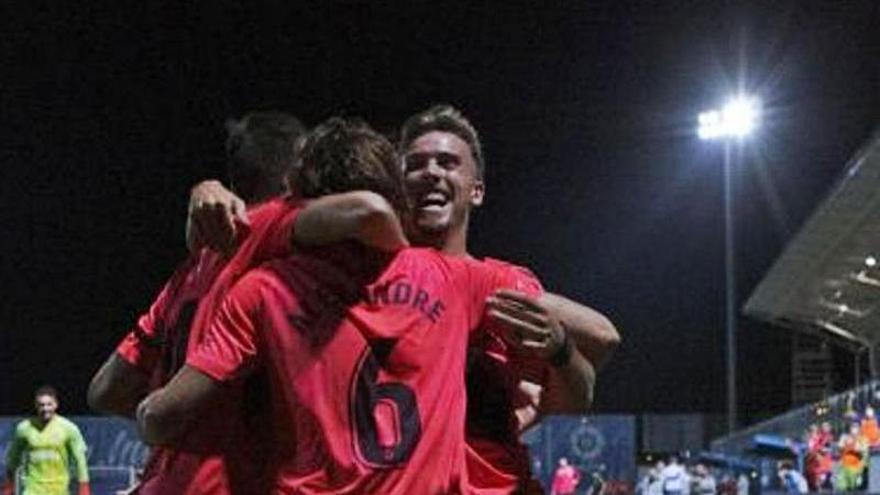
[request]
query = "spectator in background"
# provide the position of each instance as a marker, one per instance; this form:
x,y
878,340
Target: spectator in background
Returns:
x,y
853,454
850,415
45,445
644,484
742,484
703,481
818,456
826,433
565,479
596,481
674,478
870,429
655,483
793,482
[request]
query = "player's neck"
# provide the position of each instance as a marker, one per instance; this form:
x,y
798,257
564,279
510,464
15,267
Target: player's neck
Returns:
x,y
40,423
455,242
452,242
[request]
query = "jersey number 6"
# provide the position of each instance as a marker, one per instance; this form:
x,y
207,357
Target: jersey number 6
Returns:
x,y
401,425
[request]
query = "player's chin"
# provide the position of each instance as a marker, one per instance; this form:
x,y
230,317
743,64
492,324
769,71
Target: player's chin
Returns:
x,y
432,223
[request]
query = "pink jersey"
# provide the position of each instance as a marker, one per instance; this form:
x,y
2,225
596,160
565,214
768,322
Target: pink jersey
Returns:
x,y
565,480
157,344
498,463
216,456
366,375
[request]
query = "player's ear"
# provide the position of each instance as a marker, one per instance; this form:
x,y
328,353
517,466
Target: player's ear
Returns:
x,y
477,193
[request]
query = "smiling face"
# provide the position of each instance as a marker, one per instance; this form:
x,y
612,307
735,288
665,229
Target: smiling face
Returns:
x,y
46,406
441,182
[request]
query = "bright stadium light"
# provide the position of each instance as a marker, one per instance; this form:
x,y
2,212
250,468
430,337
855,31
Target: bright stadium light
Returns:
x,y
738,118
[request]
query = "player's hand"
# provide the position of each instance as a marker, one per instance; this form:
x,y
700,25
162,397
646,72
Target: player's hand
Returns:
x,y
8,488
528,322
214,215
84,489
528,414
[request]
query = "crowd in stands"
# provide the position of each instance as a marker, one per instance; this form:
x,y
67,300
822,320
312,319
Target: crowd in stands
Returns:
x,y
674,478
822,446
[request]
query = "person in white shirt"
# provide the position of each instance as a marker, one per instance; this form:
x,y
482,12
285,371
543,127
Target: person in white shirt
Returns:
x,y
674,479
704,482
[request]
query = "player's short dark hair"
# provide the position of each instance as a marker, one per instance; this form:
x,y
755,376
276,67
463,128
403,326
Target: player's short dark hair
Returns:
x,y
445,118
47,390
342,155
261,150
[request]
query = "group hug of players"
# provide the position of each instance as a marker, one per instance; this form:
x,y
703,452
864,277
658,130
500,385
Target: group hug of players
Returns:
x,y
330,333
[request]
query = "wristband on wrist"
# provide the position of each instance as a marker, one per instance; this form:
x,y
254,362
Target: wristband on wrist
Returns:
x,y
562,355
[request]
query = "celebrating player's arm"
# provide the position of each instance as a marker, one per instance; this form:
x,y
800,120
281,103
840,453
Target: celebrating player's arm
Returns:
x,y
573,339
363,216
166,413
360,215
594,338
13,460
215,215
593,333
117,387
123,380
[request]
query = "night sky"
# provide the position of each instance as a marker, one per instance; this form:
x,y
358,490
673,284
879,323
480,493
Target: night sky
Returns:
x,y
595,177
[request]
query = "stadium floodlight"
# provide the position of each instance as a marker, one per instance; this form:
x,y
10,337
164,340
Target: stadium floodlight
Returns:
x,y
738,118
735,120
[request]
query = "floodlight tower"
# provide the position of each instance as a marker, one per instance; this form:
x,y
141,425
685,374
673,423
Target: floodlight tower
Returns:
x,y
735,121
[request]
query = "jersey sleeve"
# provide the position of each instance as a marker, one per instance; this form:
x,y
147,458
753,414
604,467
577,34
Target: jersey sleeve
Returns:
x,y
77,448
15,450
141,347
488,277
524,280
508,276
230,347
271,231
530,368
269,236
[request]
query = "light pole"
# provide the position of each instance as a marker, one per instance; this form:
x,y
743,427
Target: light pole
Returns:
x,y
736,120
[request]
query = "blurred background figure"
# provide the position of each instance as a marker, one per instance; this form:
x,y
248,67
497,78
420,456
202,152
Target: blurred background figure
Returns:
x,y
656,485
819,463
703,481
44,445
596,481
565,479
870,429
674,478
742,484
853,456
792,481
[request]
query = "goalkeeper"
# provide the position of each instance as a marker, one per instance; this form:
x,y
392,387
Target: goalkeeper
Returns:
x,y
45,444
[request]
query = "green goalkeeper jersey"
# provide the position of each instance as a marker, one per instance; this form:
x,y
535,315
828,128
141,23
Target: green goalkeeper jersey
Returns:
x,y
46,455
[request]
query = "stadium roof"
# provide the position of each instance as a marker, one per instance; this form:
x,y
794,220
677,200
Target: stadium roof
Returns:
x,y
827,280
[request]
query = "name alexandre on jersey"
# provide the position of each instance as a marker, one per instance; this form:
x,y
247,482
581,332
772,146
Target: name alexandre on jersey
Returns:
x,y
403,293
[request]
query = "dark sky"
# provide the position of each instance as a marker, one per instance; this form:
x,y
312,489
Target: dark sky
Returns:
x,y
595,177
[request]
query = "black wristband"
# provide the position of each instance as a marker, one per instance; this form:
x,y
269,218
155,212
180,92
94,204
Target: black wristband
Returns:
x,y
562,355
